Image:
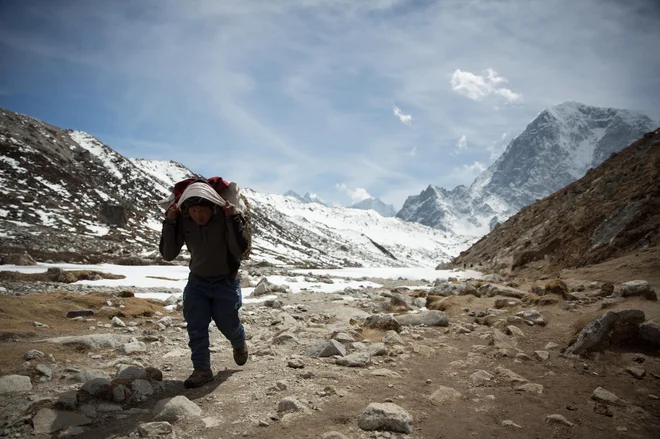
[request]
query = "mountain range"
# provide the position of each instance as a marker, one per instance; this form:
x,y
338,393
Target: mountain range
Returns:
x,y
69,197
559,146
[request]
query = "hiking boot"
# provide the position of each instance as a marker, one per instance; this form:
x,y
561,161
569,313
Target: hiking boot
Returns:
x,y
198,378
241,354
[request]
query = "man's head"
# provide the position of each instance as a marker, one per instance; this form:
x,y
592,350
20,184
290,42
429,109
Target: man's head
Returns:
x,y
200,209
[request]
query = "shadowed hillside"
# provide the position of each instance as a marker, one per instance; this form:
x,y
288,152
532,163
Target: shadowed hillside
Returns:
x,y
612,211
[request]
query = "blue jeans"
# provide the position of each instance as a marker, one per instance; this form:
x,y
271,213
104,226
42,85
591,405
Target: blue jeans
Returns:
x,y
204,301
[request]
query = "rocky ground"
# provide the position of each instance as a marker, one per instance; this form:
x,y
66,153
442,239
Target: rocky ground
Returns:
x,y
488,359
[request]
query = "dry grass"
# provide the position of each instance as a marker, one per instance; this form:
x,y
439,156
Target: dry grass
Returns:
x,y
17,314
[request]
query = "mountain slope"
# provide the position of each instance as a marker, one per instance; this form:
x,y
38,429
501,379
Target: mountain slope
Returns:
x,y
377,205
559,146
610,212
69,197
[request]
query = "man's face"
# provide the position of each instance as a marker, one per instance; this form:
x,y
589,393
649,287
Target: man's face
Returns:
x,y
200,214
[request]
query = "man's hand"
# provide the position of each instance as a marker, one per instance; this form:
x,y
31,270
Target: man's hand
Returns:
x,y
230,209
172,213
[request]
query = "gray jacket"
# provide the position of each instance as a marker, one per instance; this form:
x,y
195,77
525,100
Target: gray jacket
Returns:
x,y
215,248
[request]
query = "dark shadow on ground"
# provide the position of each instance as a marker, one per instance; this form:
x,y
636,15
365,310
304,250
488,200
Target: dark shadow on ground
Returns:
x,y
112,427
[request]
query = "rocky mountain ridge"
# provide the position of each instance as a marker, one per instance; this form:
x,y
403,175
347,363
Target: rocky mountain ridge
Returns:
x,y
612,211
559,146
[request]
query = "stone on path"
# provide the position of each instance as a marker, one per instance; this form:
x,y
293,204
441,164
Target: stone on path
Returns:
x,y
509,377
385,373
291,404
541,355
94,341
480,378
14,384
558,419
48,421
650,332
637,372
89,374
326,348
385,322
638,288
510,423
501,341
173,409
426,318
155,429
444,394
597,331
605,396
33,354
357,359
531,388
385,416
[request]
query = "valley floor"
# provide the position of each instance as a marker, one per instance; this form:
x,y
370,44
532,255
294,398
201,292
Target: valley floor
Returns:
x,y
451,380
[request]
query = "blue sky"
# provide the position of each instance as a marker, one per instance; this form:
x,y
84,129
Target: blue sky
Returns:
x,y
342,98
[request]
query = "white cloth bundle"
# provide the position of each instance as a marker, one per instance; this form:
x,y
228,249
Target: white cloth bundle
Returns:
x,y
201,190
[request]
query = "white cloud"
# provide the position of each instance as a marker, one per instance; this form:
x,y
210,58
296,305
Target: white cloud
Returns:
x,y
477,87
476,167
462,143
357,194
405,119
413,151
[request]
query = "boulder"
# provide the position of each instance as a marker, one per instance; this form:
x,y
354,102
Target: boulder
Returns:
x,y
386,416
638,288
382,321
12,384
326,348
426,318
650,331
594,335
173,409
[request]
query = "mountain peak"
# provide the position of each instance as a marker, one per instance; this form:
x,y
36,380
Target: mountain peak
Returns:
x,y
375,204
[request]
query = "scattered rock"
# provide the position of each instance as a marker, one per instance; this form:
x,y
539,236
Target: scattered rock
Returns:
x,y
94,341
326,348
291,404
605,396
531,388
595,334
385,373
357,359
385,322
557,286
89,374
386,416
79,313
638,288
541,355
558,419
11,384
636,372
650,332
49,421
33,354
173,409
155,429
509,423
333,435
392,337
444,394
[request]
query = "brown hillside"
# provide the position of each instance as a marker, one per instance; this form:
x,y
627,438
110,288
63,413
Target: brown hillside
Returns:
x,y
612,211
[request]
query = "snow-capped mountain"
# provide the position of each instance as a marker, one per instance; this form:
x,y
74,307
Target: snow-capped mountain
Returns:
x,y
307,198
375,204
559,146
69,197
